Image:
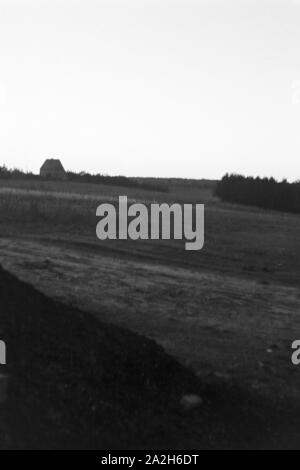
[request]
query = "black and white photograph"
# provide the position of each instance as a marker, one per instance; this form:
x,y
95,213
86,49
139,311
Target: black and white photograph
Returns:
x,y
149,228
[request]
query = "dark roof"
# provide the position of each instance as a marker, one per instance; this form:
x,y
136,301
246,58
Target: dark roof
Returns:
x,y
52,164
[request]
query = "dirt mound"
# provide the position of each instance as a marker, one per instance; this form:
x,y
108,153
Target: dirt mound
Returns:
x,y
75,382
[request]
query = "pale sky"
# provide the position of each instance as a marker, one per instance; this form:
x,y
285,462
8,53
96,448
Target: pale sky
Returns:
x,y
183,88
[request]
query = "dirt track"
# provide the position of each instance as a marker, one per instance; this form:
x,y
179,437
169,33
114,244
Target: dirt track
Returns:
x,y
211,322
78,383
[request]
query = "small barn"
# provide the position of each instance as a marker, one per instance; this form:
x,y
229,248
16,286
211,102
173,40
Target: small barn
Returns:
x,y
52,168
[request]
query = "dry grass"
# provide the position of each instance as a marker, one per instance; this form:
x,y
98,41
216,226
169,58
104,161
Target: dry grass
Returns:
x,y
72,206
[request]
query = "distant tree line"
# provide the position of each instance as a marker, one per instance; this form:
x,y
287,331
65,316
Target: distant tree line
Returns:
x,y
82,177
262,192
7,173
117,181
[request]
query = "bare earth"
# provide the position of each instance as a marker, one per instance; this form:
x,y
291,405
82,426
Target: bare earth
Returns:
x,y
230,312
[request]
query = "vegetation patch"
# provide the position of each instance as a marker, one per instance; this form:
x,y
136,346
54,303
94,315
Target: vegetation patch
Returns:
x,y
262,192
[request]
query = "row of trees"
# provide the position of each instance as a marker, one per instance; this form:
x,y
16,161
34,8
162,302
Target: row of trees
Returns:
x,y
262,192
7,173
117,181
82,177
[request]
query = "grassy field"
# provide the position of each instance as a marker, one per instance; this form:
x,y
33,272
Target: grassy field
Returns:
x,y
229,312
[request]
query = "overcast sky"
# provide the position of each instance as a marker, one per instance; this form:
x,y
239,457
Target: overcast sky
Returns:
x,y
151,87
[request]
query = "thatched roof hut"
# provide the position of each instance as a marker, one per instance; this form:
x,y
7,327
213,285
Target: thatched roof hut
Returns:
x,y
52,168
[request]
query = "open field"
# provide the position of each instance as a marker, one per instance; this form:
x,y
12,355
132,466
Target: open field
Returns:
x,y
229,312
